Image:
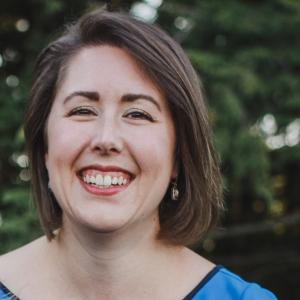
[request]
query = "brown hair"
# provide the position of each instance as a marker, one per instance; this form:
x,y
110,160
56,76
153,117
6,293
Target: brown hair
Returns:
x,y
184,221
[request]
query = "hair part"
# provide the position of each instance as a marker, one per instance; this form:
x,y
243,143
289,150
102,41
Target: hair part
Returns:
x,y
185,221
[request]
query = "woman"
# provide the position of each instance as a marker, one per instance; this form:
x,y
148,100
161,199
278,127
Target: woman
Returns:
x,y
123,170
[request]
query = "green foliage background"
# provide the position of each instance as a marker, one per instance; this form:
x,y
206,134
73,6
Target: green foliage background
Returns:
x,y
247,55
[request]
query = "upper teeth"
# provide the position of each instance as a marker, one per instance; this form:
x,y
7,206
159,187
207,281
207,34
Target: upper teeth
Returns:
x,y
106,180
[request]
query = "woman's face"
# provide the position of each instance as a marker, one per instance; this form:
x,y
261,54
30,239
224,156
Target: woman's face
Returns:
x,y
111,143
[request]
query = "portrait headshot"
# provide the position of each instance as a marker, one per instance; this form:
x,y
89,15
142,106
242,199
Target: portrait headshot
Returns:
x,y
126,175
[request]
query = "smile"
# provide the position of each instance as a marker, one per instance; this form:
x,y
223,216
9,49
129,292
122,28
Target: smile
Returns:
x,y
104,180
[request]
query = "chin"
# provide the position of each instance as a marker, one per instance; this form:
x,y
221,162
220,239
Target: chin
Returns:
x,y
99,224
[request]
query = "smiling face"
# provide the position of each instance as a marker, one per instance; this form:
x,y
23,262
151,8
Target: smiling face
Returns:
x,y
111,143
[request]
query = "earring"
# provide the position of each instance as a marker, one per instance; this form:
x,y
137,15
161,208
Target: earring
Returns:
x,y
174,191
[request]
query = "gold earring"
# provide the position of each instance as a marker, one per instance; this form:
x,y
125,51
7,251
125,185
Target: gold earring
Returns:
x,y
174,191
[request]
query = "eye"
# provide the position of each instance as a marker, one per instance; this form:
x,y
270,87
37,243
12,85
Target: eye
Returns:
x,y
82,111
138,114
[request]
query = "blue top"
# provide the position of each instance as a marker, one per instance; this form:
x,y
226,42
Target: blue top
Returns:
x,y
6,294
218,284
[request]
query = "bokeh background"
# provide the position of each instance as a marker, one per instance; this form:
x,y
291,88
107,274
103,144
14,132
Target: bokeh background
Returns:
x,y
247,53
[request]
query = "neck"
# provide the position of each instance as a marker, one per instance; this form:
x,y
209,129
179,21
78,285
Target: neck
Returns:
x,y
112,262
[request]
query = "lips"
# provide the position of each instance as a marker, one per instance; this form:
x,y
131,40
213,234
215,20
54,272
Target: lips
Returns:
x,y
104,180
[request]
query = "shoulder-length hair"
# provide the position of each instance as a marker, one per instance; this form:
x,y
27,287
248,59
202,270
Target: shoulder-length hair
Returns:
x,y
182,222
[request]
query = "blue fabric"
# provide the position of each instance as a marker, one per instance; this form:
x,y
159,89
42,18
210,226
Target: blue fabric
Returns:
x,y
5,294
225,285
219,284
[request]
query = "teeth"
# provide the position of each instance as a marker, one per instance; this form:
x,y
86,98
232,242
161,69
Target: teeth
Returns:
x,y
114,180
99,179
120,180
107,180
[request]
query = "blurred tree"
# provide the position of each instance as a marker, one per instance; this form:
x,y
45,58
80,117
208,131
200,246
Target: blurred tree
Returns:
x,y
247,54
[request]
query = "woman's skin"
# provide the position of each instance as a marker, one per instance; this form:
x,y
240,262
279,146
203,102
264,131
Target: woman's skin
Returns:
x,y
108,122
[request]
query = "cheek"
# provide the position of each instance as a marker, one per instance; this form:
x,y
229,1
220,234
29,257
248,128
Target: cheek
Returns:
x,y
64,142
154,148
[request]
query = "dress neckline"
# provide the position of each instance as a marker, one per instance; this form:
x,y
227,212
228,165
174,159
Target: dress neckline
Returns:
x,y
7,292
203,282
189,296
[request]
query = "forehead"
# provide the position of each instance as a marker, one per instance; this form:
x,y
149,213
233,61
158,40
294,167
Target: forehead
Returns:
x,y
109,69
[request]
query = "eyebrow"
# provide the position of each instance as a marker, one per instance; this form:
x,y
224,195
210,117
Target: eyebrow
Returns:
x,y
94,96
134,97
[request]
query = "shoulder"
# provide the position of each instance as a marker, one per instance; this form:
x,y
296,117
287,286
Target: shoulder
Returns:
x,y
246,290
10,273
254,291
230,286
14,258
17,265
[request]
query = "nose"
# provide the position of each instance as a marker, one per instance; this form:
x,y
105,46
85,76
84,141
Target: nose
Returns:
x,y
106,139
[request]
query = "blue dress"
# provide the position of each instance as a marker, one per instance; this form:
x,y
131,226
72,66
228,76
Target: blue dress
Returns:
x,y
219,284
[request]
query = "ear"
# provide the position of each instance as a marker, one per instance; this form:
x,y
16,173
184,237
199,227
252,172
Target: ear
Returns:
x,y
174,173
46,160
